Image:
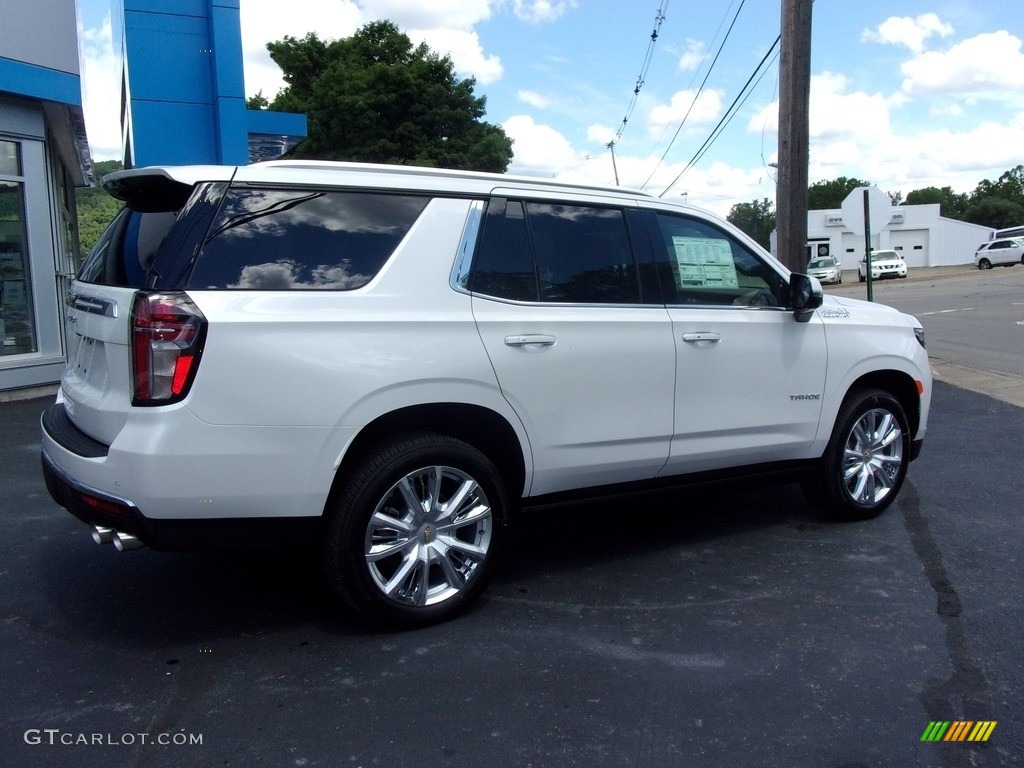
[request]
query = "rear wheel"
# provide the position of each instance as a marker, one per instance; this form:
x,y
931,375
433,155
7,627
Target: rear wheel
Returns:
x,y
413,536
984,264
865,462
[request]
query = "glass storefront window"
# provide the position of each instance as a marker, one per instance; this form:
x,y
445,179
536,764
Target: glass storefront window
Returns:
x,y
10,159
17,328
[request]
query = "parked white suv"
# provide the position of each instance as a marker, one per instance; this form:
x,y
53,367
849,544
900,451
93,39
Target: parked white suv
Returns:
x,y
883,264
1005,252
387,361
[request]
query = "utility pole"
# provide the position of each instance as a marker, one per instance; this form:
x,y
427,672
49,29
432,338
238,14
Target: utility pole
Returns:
x,y
611,146
794,99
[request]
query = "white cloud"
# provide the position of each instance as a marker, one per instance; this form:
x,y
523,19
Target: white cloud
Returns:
x,y
909,32
466,53
263,22
835,114
101,91
537,149
693,56
600,134
702,112
533,98
538,11
946,110
446,26
436,14
987,66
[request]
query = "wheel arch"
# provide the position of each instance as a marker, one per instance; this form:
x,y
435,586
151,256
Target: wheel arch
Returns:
x,y
487,431
901,386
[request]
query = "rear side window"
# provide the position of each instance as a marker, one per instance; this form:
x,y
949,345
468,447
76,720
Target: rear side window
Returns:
x,y
552,252
293,239
125,251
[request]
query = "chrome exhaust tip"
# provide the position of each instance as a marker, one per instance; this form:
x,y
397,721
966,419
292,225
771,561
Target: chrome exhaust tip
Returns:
x,y
102,535
125,541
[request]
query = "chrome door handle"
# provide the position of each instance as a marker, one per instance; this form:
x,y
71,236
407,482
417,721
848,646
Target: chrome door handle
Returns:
x,y
529,339
694,338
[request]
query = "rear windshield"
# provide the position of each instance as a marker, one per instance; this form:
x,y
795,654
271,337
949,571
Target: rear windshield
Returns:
x,y
294,239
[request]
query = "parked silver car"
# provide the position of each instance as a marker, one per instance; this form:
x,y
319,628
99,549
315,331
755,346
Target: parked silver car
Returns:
x,y
827,270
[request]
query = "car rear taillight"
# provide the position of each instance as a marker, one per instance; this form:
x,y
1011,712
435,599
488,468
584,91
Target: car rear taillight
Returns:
x,y
167,337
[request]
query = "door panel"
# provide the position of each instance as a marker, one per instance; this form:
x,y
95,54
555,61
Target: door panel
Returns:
x,y
749,387
592,385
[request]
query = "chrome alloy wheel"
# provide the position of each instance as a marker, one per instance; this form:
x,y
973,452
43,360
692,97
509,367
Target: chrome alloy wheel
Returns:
x,y
873,456
428,536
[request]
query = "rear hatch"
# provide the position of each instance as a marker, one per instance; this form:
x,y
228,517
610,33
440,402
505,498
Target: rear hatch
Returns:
x,y
97,384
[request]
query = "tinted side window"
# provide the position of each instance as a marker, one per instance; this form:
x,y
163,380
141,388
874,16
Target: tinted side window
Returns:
x,y
583,254
280,239
504,263
707,266
126,249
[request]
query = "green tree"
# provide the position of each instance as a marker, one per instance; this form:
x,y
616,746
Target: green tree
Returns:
x,y
374,97
95,207
756,218
822,195
259,101
952,204
996,212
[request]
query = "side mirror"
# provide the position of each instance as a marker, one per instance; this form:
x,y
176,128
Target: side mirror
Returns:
x,y
805,296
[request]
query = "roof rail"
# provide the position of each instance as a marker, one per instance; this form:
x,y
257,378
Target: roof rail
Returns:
x,y
448,173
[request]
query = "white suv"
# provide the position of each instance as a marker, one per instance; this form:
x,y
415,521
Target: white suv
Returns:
x,y
883,264
386,362
1005,252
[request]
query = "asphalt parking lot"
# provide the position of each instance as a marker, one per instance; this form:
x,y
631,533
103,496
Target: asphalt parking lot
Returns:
x,y
729,626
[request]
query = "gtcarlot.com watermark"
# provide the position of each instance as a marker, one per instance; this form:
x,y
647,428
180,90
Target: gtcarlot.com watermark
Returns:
x,y
54,737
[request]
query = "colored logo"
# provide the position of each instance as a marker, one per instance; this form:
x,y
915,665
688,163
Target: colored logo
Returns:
x,y
958,730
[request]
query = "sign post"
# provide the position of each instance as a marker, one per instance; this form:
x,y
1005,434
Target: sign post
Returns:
x,y
867,244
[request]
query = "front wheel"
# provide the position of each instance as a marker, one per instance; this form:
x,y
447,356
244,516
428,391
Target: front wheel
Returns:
x,y
865,462
413,536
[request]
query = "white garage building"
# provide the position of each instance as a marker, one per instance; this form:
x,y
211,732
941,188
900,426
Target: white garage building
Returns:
x,y
918,232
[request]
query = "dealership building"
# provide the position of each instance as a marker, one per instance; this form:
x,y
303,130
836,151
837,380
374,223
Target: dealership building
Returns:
x,y
44,155
918,232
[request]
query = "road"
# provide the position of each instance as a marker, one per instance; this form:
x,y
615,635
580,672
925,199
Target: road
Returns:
x,y
973,321
727,627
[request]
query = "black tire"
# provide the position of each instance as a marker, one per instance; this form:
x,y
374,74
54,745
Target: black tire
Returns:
x,y
984,264
861,278
865,461
392,549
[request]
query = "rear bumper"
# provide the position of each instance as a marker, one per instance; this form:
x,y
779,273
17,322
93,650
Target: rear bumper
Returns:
x,y
101,508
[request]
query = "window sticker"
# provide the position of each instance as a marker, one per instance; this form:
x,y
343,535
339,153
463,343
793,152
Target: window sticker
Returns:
x,y
705,262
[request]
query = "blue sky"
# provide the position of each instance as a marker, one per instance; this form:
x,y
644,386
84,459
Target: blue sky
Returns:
x,y
904,95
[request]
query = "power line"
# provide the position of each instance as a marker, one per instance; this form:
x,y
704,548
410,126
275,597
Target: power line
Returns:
x,y
696,96
758,73
659,19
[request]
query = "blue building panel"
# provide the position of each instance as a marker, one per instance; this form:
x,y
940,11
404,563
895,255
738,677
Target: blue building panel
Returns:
x,y
226,40
41,83
173,134
177,61
185,87
197,8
